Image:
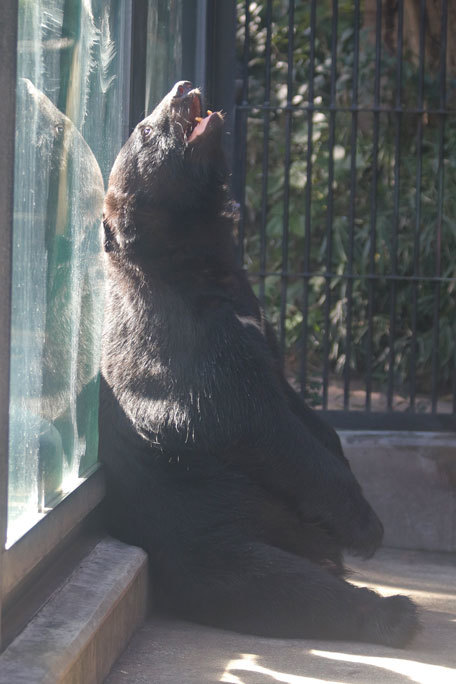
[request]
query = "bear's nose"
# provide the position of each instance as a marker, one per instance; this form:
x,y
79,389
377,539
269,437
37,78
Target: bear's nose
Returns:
x,y
182,88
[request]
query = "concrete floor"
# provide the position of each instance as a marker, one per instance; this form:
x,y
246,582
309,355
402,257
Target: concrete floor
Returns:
x,y
172,652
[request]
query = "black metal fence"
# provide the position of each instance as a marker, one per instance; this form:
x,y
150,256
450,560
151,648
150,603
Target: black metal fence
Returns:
x,y
345,171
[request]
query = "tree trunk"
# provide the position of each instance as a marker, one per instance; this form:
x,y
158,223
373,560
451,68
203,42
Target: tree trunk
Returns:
x,y
411,34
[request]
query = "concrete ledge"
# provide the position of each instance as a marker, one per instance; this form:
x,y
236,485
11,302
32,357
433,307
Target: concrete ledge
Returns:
x,y
410,480
79,633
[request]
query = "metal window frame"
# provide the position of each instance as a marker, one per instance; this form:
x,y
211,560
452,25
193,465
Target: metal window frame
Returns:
x,y
8,47
220,63
36,564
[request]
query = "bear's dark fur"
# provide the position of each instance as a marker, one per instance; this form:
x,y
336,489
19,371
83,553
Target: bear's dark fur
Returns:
x,y
239,492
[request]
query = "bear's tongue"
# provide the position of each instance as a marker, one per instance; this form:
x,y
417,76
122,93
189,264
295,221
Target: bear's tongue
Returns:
x,y
200,127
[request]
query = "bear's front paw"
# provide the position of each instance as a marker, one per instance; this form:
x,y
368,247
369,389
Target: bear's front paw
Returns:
x,y
357,528
350,521
365,534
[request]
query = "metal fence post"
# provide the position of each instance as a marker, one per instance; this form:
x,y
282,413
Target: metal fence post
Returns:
x,y
221,63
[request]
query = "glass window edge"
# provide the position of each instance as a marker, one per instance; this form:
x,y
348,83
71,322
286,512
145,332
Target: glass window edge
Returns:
x,y
8,40
21,559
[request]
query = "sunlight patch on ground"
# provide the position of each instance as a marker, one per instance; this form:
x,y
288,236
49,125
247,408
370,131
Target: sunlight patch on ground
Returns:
x,y
414,670
248,663
385,590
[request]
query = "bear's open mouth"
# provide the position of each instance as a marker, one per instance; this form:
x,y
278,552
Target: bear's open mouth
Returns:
x,y
195,124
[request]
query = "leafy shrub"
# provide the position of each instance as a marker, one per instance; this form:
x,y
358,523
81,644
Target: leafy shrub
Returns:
x,y
411,233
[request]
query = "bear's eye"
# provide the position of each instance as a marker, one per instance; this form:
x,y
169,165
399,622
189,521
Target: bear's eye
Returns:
x,y
59,128
146,131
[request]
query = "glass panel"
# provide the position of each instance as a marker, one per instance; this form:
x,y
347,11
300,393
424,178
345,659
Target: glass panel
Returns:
x,y
164,49
70,122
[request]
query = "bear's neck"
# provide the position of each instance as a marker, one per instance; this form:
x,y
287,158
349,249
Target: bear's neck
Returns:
x,y
171,243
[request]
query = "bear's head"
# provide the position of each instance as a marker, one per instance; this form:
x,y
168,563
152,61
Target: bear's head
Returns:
x,y
171,168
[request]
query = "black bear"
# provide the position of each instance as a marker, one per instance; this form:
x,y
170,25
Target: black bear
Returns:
x,y
238,491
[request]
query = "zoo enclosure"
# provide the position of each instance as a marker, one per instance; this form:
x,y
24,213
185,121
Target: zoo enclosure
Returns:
x,y
345,170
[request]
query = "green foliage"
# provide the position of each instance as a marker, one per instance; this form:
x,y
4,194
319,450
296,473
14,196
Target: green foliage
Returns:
x,y
400,236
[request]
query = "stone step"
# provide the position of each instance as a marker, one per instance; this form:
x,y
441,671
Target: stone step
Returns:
x,y
83,628
410,480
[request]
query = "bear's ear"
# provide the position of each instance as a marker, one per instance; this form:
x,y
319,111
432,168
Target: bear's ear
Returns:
x,y
119,230
109,240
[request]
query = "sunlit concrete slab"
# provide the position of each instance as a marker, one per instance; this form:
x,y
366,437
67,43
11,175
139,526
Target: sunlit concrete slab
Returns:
x,y
173,652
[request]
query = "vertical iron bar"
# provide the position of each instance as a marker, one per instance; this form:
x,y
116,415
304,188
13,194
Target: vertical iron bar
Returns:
x,y
286,187
265,165
395,227
308,202
416,246
351,213
454,383
373,205
241,136
329,221
440,182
